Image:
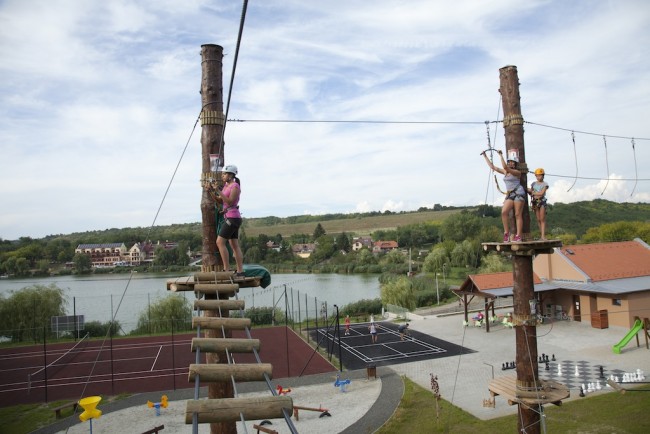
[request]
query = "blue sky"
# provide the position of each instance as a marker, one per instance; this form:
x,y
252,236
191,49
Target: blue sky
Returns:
x,y
98,99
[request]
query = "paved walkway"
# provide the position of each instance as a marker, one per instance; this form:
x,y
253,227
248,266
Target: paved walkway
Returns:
x,y
464,379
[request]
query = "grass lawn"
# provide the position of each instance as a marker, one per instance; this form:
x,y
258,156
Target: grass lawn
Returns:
x,y
610,413
25,418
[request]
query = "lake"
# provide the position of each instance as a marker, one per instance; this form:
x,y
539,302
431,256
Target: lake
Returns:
x,y
126,296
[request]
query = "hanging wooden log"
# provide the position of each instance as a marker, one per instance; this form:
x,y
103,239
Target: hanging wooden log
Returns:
x,y
222,372
217,276
223,290
217,305
229,410
220,345
214,323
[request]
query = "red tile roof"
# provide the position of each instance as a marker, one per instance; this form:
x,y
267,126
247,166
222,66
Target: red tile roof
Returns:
x,y
607,261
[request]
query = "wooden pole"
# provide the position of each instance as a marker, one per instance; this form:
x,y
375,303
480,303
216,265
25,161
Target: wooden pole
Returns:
x,y
212,125
523,289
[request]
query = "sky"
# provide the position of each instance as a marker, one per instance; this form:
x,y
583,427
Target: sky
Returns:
x,y
99,103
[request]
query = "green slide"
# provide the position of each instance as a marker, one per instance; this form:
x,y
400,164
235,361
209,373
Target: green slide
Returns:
x,y
638,325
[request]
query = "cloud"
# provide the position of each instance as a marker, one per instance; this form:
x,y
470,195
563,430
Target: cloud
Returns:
x,y
99,100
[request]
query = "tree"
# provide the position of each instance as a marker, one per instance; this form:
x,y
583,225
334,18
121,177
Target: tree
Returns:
x,y
394,257
436,259
618,231
325,248
82,263
318,232
399,291
461,226
494,263
171,311
24,314
343,242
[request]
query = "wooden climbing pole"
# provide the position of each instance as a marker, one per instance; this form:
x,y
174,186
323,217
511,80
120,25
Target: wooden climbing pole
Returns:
x,y
212,125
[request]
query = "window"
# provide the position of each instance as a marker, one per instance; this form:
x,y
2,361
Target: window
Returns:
x,y
616,301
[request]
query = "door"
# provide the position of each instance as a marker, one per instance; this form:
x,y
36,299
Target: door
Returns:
x,y
576,308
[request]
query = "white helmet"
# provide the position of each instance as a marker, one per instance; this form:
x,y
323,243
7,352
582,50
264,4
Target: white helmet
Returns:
x,y
231,168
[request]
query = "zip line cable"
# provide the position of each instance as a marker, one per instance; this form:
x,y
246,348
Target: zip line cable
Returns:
x,y
636,170
575,157
232,77
343,121
607,163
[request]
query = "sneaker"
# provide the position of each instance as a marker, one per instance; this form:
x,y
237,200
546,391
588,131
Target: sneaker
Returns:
x,y
517,239
242,274
506,237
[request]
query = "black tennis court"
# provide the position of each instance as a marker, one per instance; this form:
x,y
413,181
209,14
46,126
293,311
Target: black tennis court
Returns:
x,y
358,351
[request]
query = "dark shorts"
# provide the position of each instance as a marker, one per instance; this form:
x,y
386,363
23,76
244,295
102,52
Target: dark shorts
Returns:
x,y
230,228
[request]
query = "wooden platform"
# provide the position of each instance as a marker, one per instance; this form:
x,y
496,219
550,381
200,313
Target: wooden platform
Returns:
x,y
524,248
548,391
187,283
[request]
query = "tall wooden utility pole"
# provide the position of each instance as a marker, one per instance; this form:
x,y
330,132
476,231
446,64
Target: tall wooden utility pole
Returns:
x,y
212,124
522,267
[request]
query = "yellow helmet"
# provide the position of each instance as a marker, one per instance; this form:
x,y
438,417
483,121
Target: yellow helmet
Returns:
x,y
539,171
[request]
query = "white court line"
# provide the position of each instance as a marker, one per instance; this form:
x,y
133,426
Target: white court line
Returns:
x,y
156,359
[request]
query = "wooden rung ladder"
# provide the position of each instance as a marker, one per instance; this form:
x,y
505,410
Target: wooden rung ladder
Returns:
x,y
231,409
216,323
219,305
221,345
223,373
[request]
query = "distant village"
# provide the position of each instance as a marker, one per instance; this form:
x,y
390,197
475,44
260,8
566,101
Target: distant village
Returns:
x,y
118,255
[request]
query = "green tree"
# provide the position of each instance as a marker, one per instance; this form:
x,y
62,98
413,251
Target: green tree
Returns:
x,y
158,317
82,263
618,231
318,232
343,242
22,266
24,314
398,291
494,263
394,257
325,248
461,226
436,259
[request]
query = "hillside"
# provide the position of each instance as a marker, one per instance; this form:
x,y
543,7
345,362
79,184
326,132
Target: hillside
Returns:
x,y
359,225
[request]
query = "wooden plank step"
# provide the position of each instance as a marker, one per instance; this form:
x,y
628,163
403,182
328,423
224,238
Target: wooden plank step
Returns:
x,y
215,323
213,276
219,304
187,283
220,345
224,290
550,392
221,372
229,409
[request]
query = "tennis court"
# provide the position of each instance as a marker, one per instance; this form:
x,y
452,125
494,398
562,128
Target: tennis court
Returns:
x,y
358,351
133,365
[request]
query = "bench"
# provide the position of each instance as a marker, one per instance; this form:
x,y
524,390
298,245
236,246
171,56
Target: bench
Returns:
x,y
57,410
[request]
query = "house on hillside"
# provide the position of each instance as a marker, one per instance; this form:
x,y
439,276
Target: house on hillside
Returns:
x,y
359,243
384,246
303,250
581,282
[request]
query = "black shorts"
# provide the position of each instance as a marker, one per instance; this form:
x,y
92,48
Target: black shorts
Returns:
x,y
230,228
